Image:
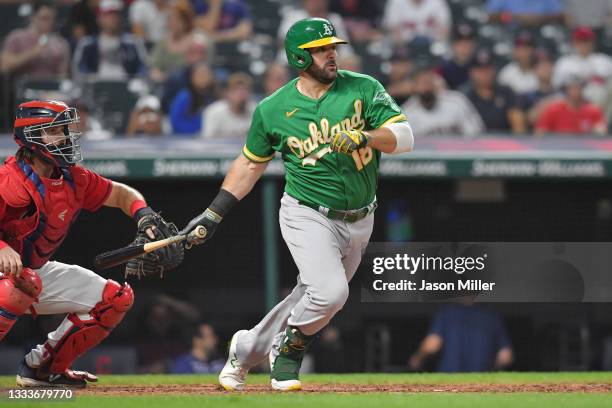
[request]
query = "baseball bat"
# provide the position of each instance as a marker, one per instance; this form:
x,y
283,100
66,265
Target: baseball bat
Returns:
x,y
118,256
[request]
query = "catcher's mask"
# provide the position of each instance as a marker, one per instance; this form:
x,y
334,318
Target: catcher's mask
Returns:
x,y
33,129
305,34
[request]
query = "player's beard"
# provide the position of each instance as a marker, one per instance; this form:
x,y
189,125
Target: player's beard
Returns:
x,y
323,75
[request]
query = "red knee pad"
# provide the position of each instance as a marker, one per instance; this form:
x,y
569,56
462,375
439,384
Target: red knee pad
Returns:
x,y
16,295
84,335
116,301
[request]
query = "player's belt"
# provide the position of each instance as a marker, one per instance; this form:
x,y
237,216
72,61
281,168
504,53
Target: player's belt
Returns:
x,y
343,215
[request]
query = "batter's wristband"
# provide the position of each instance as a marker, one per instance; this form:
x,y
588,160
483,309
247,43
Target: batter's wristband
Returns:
x,y
3,244
223,202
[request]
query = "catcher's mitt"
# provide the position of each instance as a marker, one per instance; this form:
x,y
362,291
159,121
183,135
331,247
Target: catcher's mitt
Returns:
x,y
157,262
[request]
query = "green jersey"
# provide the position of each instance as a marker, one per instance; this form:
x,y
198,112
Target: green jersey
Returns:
x,y
300,128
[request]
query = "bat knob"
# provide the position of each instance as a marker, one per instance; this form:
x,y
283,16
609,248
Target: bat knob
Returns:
x,y
200,232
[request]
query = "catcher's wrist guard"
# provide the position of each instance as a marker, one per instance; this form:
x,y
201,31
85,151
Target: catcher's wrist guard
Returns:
x,y
144,211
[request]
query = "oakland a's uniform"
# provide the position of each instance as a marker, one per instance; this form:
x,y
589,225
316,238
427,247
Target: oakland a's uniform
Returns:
x,y
300,128
326,213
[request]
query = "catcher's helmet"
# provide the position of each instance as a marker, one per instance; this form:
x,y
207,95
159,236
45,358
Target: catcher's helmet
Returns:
x,y
32,120
308,33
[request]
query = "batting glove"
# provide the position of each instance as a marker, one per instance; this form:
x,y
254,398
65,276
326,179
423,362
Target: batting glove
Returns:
x,y
347,141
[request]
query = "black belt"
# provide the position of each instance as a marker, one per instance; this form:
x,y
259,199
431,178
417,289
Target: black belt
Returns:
x,y
343,215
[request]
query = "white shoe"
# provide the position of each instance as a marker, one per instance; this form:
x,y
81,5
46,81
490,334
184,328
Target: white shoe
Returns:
x,y
233,375
288,385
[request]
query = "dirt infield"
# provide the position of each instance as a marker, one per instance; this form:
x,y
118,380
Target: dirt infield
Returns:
x,y
210,389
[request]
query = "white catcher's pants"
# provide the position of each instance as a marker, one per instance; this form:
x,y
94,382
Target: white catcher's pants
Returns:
x,y
66,289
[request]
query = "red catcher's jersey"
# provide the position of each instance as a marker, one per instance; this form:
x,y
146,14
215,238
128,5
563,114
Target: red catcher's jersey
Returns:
x,y
36,212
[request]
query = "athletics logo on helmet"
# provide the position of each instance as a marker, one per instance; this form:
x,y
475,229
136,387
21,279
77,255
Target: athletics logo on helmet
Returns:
x,y
32,123
305,34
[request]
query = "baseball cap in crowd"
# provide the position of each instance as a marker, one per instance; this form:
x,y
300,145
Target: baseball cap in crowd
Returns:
x,y
583,34
110,6
148,102
482,58
525,39
463,31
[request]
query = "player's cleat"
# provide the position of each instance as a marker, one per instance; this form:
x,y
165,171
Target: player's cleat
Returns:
x,y
233,375
286,360
29,377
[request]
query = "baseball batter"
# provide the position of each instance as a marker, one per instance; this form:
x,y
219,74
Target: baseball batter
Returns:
x,y
330,126
42,191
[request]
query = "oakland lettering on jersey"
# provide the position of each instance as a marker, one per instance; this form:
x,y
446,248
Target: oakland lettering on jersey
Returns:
x,y
322,135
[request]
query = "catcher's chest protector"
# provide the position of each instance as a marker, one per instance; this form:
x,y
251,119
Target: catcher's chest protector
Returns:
x,y
49,208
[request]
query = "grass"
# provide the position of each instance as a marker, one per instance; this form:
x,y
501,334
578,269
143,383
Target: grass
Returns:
x,y
372,400
367,378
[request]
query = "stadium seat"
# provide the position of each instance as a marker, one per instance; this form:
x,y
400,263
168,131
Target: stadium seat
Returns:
x,y
112,101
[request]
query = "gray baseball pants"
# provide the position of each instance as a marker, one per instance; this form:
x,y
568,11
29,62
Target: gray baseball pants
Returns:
x,y
327,254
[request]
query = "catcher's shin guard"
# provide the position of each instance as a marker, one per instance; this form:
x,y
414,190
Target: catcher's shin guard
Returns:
x,y
16,295
81,335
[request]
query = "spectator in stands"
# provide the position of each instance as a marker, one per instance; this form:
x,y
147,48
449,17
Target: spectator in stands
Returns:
x,y
455,70
82,20
171,53
148,20
408,19
159,338
187,107
573,113
531,13
402,63
312,8
89,125
223,20
276,76
362,17
498,105
230,117
36,51
435,111
595,67
112,54
519,75
469,337
147,119
533,102
204,358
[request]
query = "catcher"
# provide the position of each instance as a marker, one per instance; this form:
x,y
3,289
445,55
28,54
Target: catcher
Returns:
x,y
42,191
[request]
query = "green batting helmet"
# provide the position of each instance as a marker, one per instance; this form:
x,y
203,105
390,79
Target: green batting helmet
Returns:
x,y
308,33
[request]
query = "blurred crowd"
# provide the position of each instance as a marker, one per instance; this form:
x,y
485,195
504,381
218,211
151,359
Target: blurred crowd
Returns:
x,y
196,68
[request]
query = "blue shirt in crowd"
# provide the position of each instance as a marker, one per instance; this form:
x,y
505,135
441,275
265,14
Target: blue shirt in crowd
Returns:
x,y
188,364
232,12
541,7
182,119
471,337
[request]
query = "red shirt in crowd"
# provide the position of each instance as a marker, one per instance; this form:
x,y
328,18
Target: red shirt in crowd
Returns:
x,y
560,117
